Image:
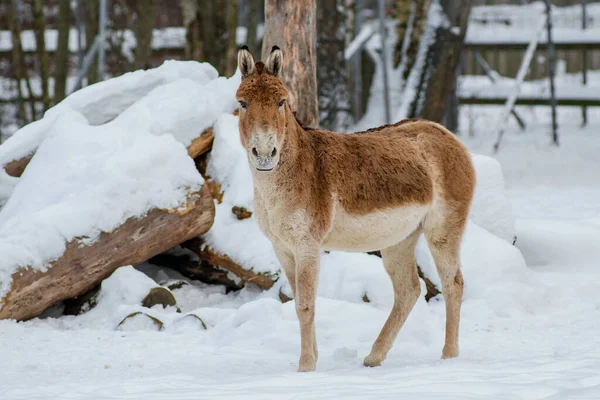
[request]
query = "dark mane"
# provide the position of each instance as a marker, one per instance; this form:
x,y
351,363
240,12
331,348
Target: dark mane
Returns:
x,y
382,127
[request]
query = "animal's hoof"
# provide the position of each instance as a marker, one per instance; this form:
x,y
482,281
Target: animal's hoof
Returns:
x,y
307,363
450,352
372,360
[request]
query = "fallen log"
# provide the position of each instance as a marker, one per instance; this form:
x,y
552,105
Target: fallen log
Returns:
x,y
197,270
200,145
206,254
81,267
15,168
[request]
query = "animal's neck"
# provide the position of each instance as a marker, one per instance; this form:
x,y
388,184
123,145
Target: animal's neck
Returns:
x,y
293,151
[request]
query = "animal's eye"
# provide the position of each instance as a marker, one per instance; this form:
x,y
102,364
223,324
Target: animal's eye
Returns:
x,y
243,104
281,103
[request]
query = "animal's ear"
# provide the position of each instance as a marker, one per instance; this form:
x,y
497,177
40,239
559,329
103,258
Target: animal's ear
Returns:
x,y
275,61
245,62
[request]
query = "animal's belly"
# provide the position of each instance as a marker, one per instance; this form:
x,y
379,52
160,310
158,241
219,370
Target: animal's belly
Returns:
x,y
373,231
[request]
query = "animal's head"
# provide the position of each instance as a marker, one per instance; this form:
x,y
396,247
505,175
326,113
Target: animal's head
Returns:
x,y
263,107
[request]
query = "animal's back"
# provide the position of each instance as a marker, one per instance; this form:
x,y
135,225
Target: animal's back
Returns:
x,y
393,165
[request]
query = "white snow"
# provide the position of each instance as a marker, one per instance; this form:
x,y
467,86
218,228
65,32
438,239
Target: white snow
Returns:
x,y
102,160
491,209
530,313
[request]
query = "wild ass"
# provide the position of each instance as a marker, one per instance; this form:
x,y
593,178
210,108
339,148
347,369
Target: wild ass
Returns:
x,y
375,190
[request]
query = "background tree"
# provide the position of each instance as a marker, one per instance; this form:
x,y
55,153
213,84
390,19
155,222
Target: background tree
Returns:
x,y
331,67
443,56
40,42
429,71
90,8
145,11
61,67
20,71
252,26
194,46
232,22
291,25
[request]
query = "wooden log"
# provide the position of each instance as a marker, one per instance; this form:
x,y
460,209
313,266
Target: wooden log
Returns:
x,y
15,168
213,258
197,270
81,267
202,143
199,146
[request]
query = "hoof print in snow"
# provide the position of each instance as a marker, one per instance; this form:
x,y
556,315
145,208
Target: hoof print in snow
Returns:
x,y
139,321
159,295
191,320
241,212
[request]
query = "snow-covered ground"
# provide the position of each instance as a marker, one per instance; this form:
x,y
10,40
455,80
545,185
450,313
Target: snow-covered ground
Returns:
x,y
530,315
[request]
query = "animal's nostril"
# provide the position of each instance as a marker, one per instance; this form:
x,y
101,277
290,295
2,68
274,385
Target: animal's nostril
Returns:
x,y
274,152
254,152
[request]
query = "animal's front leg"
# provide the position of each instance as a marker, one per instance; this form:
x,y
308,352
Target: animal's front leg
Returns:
x,y
307,274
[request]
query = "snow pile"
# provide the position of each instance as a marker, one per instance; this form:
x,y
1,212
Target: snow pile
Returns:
x,y
85,179
177,98
491,208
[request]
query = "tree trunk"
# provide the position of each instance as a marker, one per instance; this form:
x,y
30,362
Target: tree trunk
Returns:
x,y
20,67
402,12
40,43
91,30
17,53
252,27
291,25
194,46
146,12
417,28
231,56
62,51
334,103
82,267
439,76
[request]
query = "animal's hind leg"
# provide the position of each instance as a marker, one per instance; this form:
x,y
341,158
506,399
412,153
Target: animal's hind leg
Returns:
x,y
399,262
444,236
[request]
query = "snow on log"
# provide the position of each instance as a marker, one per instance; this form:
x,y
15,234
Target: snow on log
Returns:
x,y
81,267
180,98
106,190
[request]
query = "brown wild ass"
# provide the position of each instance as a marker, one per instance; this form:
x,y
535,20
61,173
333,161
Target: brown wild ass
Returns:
x,y
377,190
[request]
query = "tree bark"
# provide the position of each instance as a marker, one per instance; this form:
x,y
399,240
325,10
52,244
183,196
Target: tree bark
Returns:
x,y
194,46
40,43
402,11
91,30
80,268
146,11
291,25
20,67
62,51
17,51
252,27
210,257
334,102
231,56
439,75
